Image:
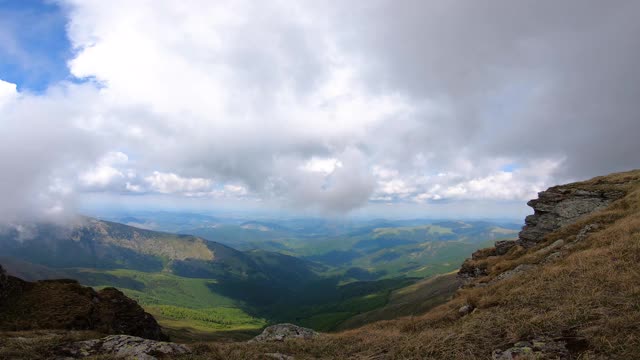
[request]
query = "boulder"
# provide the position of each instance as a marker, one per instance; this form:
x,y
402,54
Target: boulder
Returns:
x,y
465,309
555,245
470,270
513,272
279,356
123,347
553,257
281,332
539,349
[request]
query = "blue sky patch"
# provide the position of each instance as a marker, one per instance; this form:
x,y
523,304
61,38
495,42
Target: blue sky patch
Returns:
x,y
34,47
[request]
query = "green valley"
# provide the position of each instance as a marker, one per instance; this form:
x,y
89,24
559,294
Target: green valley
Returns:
x,y
312,273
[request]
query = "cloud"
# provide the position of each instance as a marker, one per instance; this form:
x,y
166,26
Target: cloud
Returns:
x,y
7,92
332,105
42,149
170,183
105,173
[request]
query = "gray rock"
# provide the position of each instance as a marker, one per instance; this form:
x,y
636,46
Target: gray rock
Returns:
x,y
556,245
123,347
465,309
503,246
513,272
553,257
539,349
584,232
279,356
468,271
281,332
559,206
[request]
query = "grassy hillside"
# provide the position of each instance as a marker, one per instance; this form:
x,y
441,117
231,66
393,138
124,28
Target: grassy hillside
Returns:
x,y
186,307
586,298
412,300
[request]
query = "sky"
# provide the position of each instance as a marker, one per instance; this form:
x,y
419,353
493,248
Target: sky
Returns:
x,y
336,108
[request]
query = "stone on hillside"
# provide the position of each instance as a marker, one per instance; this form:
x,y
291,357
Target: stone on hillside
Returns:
x,y
503,246
281,332
465,309
559,206
513,272
584,232
553,257
123,347
279,356
470,270
541,349
556,245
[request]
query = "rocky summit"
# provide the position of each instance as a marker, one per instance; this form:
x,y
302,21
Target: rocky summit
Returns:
x,y
65,304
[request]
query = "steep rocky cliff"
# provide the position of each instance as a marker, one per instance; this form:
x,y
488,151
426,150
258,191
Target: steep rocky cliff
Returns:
x,y
65,304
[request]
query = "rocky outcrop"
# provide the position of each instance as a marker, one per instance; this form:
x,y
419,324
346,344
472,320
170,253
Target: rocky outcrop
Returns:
x,y
554,208
4,283
470,270
124,347
283,332
503,246
65,304
560,206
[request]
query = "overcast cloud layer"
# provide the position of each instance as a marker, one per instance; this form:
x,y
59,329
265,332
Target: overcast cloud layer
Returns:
x,y
332,106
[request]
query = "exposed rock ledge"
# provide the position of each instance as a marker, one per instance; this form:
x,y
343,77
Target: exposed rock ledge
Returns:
x,y
560,206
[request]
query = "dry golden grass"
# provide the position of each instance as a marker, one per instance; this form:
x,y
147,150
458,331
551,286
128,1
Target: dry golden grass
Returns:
x,y
589,298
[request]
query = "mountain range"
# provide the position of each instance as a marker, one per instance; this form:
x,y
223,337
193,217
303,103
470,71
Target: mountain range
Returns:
x,y
189,282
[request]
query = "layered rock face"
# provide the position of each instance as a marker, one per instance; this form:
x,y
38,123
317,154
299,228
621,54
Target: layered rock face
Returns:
x,y
65,304
560,206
